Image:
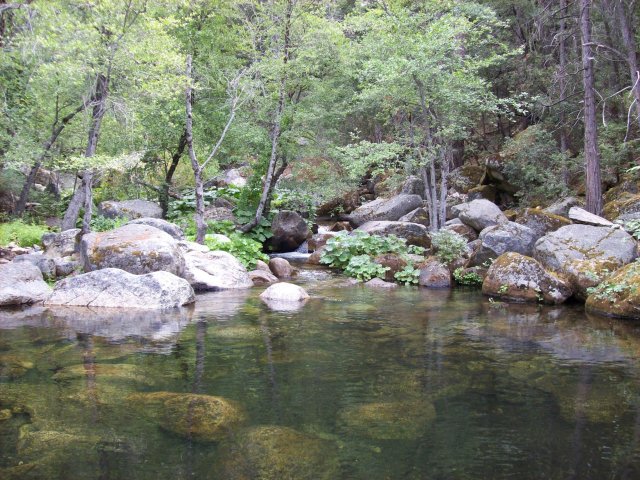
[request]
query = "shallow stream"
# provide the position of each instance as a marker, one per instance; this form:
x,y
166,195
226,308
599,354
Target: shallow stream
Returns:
x,y
357,384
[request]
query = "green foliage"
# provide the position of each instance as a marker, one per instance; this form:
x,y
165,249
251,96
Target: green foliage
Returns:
x,y
339,250
469,278
448,246
262,231
297,201
409,275
245,249
23,234
103,224
365,157
186,205
633,227
364,268
503,289
534,165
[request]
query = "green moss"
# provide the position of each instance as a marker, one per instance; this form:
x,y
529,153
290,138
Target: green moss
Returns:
x,y
23,234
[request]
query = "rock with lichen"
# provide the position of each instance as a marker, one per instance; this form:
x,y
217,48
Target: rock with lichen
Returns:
x,y
618,295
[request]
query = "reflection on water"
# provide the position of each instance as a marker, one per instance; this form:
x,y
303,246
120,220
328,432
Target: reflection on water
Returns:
x,y
358,383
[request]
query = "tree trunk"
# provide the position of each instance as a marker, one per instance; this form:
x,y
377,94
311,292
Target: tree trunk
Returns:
x,y
73,210
632,60
31,178
175,159
562,81
591,152
444,173
277,124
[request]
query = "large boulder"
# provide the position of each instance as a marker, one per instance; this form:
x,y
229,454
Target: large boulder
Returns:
x,y
627,203
47,265
562,207
22,283
419,215
281,268
130,209
584,242
618,295
61,244
285,292
136,249
580,215
385,209
480,214
499,239
344,204
413,233
202,418
413,186
167,227
115,288
434,274
290,231
520,278
541,221
216,270
466,177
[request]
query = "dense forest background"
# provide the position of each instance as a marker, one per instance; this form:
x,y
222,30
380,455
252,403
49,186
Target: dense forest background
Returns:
x,y
119,99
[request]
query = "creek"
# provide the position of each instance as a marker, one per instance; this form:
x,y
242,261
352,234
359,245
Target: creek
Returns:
x,y
358,383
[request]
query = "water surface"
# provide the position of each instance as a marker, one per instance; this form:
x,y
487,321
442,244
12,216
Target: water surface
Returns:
x,y
357,384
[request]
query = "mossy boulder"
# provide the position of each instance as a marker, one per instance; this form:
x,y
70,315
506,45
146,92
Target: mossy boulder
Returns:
x,y
618,295
396,420
13,366
466,177
626,203
503,238
520,278
203,418
273,452
540,221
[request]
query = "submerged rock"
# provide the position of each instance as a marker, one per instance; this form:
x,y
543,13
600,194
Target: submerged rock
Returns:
x,y
203,418
403,420
114,288
273,452
22,283
13,366
136,249
285,292
520,278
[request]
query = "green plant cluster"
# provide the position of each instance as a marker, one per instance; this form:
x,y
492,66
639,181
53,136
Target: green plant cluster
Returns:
x,y
409,275
23,234
354,253
609,289
466,277
186,205
448,246
103,224
633,227
245,249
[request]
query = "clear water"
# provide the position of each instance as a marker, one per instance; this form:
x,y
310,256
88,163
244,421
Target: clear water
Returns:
x,y
357,384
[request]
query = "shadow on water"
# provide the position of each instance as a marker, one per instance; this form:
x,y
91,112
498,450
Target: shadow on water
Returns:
x,y
356,383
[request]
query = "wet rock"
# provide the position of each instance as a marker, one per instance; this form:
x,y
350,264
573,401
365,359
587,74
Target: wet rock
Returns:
x,y
618,295
215,270
516,277
499,239
580,215
203,418
273,452
290,230
480,214
385,209
260,265
61,244
281,268
419,216
562,207
167,227
393,262
379,283
285,292
13,366
315,257
541,221
104,371
130,209
135,249
260,277
45,264
584,243
22,283
413,233
402,420
114,288
319,240
434,274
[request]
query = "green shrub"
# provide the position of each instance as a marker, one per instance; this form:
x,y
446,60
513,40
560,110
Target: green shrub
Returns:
x,y
463,277
409,275
364,268
245,249
448,246
24,234
103,224
339,250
